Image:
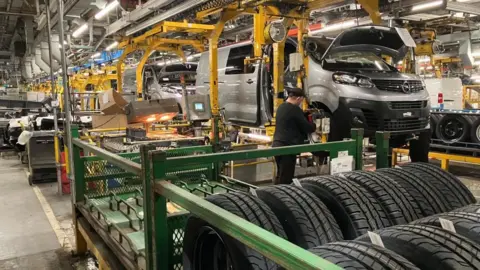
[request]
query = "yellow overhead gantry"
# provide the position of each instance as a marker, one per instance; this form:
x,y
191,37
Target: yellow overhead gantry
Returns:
x,y
290,12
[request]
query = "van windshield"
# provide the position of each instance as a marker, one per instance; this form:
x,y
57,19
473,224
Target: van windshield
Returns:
x,y
356,60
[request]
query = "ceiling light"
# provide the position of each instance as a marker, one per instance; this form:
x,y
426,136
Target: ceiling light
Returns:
x,y
111,46
96,55
476,54
427,5
80,30
336,26
109,7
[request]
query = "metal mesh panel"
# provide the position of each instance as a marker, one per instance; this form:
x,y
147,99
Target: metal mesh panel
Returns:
x,y
190,174
176,232
102,178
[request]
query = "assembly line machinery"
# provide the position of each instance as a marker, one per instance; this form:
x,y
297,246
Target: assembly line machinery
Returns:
x,y
138,203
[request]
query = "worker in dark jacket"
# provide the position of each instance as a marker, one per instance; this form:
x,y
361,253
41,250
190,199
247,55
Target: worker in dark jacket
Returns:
x,y
292,128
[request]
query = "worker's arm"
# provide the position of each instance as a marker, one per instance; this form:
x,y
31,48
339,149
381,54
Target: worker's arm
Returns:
x,y
303,124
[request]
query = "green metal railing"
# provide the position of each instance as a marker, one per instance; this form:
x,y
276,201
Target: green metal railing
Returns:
x,y
158,175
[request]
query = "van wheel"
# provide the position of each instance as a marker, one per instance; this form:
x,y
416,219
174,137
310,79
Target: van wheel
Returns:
x,y
475,131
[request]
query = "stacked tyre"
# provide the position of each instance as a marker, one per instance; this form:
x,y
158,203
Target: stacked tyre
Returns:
x,y
334,217
455,127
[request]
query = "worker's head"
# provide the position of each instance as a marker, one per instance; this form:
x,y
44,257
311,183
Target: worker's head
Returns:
x,y
295,96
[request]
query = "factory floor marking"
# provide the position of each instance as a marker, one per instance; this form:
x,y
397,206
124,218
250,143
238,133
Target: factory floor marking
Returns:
x,y
47,209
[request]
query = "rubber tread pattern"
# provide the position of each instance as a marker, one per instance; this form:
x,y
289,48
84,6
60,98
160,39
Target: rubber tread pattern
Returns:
x,y
430,248
354,208
428,197
466,224
395,200
255,211
306,220
471,208
362,255
457,193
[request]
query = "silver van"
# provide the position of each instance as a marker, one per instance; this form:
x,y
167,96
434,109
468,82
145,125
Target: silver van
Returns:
x,y
162,82
348,79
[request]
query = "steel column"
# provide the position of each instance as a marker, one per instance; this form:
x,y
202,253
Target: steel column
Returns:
x,y
54,95
66,91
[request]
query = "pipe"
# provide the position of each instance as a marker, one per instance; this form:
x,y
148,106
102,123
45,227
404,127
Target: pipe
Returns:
x,y
26,14
37,7
66,95
46,56
90,31
39,62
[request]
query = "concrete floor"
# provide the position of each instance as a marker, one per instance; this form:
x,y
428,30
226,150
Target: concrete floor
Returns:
x,y
27,240
36,230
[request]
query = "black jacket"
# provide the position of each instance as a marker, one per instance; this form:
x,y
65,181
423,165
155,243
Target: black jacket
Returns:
x,y
292,127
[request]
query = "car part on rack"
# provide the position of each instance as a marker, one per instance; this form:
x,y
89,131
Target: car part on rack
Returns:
x,y
453,189
453,128
399,205
205,247
475,131
354,208
362,255
430,248
306,220
428,198
466,224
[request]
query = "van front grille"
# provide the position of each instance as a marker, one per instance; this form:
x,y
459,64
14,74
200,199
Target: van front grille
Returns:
x,y
404,124
370,118
400,86
406,105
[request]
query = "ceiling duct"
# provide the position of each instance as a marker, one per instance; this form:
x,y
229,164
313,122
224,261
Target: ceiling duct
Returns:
x,y
26,68
56,52
165,15
39,62
45,55
135,15
35,69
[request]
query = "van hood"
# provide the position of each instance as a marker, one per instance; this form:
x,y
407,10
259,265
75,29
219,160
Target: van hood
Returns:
x,y
393,42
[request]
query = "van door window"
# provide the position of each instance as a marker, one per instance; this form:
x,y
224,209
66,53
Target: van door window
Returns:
x,y
236,63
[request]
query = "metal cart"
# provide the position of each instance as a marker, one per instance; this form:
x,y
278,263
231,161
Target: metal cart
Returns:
x,y
41,157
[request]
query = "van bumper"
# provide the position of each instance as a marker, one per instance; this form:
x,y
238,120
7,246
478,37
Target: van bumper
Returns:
x,y
396,117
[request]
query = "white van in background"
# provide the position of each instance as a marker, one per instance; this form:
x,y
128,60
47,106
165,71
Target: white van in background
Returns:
x,y
446,91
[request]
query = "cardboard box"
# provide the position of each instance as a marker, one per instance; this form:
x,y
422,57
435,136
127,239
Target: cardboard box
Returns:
x,y
112,103
109,121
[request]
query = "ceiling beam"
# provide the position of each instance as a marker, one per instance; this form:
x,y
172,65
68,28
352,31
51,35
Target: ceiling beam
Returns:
x,y
24,14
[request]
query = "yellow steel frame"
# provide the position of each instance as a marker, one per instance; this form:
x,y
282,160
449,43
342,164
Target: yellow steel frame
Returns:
x,y
443,157
467,97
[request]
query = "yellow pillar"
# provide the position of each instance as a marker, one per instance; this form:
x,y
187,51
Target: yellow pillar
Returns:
x,y
371,6
139,72
259,22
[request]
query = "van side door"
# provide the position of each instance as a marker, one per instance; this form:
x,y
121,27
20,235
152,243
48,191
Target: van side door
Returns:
x,y
239,84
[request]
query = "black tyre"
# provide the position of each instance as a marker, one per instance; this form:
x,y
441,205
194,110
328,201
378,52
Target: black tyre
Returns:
x,y
355,209
398,204
452,188
206,247
466,224
471,208
362,255
475,131
434,119
419,148
430,248
305,219
427,197
453,128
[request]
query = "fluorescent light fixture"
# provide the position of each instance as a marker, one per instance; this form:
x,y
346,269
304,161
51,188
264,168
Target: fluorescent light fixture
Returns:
x,y
476,54
80,30
96,55
399,62
427,5
109,7
111,46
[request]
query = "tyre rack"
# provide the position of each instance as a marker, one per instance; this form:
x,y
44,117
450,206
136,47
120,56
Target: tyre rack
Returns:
x,y
142,222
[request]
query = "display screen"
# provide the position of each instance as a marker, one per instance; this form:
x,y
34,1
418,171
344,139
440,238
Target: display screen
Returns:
x,y
199,106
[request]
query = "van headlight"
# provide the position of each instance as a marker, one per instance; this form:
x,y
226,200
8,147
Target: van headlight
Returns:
x,y
352,79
